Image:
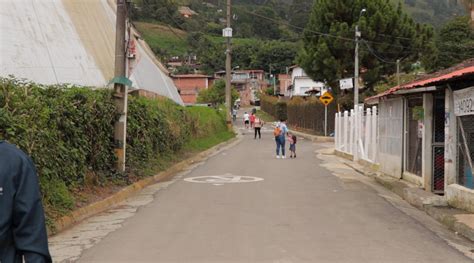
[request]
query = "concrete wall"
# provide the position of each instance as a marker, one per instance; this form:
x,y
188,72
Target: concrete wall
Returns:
x,y
460,197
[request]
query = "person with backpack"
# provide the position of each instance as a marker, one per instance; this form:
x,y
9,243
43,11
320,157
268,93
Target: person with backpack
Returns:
x,y
280,132
258,124
292,140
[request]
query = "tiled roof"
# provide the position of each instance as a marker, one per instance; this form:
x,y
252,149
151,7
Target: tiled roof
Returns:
x,y
190,76
463,69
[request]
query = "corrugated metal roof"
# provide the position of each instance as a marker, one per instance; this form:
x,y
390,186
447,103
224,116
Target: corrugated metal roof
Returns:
x,y
463,69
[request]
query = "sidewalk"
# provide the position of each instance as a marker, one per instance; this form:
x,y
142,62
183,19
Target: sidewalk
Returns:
x,y
459,221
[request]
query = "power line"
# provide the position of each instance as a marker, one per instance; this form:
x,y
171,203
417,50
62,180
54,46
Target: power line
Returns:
x,y
340,37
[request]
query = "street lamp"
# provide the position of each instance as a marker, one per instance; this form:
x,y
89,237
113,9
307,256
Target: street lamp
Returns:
x,y
356,62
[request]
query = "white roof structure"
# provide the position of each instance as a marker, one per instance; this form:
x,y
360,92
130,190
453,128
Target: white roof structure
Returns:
x,y
72,41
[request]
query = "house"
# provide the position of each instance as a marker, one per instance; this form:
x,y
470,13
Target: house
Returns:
x,y
248,83
186,11
190,85
426,133
285,82
302,84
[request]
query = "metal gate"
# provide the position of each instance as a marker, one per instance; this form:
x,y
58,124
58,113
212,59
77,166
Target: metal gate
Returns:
x,y
465,150
414,135
438,145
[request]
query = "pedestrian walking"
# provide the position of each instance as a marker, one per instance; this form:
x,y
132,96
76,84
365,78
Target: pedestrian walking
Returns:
x,y
280,132
258,124
246,120
252,119
22,223
234,114
292,141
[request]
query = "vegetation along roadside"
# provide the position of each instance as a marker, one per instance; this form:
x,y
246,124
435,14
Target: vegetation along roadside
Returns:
x,y
68,132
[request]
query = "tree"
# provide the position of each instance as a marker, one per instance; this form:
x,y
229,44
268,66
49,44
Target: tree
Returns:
x,y
278,54
216,94
328,53
454,43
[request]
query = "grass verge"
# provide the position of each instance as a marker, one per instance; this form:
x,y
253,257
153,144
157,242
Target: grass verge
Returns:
x,y
265,116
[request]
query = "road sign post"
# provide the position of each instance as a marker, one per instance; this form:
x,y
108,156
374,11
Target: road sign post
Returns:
x,y
326,99
325,120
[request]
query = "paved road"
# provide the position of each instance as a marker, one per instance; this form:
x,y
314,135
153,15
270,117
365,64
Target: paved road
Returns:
x,y
307,209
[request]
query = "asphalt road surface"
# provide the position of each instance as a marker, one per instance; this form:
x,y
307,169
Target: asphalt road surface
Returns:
x,y
300,212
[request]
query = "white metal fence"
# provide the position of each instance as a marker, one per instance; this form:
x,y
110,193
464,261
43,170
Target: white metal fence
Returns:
x,y
356,133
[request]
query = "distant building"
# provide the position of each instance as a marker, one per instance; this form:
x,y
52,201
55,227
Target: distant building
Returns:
x,y
248,83
285,82
186,11
190,85
302,84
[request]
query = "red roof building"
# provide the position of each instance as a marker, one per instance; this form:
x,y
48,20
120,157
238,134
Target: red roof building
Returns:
x,y
190,85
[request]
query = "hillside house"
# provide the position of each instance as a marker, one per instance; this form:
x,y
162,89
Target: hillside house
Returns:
x,y
248,83
302,84
190,85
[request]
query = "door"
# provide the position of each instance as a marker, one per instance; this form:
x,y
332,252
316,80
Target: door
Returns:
x,y
438,144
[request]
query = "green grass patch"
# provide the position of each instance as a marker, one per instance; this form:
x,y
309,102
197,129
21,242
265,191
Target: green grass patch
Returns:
x,y
205,143
265,116
163,37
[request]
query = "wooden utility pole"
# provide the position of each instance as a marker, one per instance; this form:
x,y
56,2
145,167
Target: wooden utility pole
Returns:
x,y
228,69
120,90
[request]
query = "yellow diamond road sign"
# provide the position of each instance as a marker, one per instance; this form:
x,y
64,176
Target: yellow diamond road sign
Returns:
x,y
326,98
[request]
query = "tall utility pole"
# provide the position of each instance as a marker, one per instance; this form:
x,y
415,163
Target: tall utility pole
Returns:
x,y
120,90
228,98
356,62
356,68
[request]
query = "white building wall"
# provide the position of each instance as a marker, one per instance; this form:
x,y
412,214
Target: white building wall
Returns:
x,y
302,83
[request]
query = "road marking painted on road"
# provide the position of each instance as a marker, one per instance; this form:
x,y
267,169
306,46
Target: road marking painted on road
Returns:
x,y
223,179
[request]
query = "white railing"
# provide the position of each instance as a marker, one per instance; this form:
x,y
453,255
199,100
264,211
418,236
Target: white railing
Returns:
x,y
356,133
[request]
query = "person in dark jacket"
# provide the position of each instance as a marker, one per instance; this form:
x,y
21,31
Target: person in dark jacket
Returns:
x,y
23,235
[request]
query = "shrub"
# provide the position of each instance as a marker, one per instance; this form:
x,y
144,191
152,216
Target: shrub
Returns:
x,y
68,132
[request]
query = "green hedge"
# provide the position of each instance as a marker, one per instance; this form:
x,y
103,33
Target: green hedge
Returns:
x,y
68,132
301,113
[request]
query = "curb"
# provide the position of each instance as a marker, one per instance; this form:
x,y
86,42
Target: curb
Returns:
x,y
433,205
85,212
313,138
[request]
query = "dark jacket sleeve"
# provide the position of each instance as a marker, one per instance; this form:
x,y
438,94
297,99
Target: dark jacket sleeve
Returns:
x,y
29,230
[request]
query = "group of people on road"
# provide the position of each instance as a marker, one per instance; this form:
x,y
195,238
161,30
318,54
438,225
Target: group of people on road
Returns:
x,y
281,133
251,121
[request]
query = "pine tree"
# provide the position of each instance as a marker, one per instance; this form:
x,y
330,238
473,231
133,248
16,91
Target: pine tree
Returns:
x,y
328,53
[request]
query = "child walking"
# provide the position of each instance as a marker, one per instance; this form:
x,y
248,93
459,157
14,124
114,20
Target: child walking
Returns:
x,y
292,140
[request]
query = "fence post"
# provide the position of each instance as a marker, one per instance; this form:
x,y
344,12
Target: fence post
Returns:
x,y
339,130
336,130
355,142
367,137
374,134
351,132
346,126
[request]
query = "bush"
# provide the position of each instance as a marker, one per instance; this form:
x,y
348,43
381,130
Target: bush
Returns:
x,y
301,113
68,132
